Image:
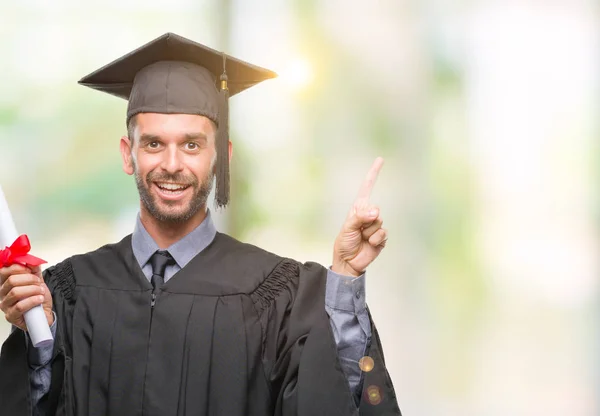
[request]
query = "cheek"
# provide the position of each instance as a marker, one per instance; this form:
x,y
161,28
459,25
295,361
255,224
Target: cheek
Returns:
x,y
200,165
146,164
210,161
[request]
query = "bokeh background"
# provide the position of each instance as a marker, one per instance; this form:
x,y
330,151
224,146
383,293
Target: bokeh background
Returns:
x,y
485,111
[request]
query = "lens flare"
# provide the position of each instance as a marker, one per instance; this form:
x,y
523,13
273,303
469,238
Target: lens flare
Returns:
x,y
374,395
366,363
297,74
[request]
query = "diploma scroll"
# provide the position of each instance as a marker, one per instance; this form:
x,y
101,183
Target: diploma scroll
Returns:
x,y
37,324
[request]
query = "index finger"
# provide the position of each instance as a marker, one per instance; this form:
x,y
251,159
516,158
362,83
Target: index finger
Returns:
x,y
18,280
364,192
6,272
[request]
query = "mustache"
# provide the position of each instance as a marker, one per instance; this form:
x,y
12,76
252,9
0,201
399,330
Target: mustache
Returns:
x,y
171,177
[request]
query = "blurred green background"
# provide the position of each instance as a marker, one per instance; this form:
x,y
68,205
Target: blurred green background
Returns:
x,y
486,296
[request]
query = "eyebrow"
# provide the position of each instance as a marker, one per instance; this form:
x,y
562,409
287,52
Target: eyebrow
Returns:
x,y
146,137
196,136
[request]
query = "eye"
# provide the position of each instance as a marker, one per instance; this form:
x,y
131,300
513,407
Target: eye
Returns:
x,y
191,146
153,145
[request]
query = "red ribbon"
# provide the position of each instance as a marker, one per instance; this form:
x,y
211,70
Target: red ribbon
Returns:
x,y
17,254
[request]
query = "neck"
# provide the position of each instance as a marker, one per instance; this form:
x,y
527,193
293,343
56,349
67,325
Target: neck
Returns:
x,y
165,233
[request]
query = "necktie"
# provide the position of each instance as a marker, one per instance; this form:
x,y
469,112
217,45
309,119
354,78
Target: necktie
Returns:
x,y
159,261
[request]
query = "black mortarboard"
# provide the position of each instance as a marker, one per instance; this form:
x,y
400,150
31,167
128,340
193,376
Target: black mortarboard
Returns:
x,y
172,74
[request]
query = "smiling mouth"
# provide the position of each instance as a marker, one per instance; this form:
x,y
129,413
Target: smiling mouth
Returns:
x,y
171,188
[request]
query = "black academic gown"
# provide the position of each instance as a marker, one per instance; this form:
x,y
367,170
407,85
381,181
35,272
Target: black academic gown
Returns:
x,y
238,331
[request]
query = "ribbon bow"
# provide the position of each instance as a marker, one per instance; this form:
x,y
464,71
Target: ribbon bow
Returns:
x,y
17,254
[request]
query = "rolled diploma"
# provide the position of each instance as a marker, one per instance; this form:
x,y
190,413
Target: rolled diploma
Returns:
x,y
35,318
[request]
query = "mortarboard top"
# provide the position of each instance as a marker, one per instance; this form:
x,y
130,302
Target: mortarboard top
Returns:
x,y
172,74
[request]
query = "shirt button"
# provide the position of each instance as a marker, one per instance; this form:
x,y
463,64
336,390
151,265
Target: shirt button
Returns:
x,y
357,294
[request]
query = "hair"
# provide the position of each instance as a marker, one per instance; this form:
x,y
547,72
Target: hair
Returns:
x,y
131,128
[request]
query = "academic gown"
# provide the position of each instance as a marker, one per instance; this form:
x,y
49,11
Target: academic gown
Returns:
x,y
238,331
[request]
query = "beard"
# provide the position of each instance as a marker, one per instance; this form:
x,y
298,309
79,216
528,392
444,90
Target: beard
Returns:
x,y
201,191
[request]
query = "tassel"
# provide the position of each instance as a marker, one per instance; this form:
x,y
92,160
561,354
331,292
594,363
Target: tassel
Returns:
x,y
222,171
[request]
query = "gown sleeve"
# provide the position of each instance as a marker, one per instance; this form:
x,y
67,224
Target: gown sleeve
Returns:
x,y
14,376
15,391
300,356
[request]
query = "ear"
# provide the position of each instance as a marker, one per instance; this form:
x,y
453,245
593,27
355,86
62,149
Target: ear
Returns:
x,y
230,151
126,149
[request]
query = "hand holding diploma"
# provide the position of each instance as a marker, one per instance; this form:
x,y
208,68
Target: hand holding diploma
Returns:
x,y
24,297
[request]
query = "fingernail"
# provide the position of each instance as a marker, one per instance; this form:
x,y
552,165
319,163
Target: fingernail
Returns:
x,y
43,290
373,213
41,298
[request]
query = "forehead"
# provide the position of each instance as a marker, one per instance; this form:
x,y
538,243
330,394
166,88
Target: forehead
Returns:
x,y
173,124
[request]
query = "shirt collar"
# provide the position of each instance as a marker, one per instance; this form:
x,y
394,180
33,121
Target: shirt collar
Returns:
x,y
182,251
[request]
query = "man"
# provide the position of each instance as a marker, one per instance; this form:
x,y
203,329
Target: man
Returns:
x,y
177,318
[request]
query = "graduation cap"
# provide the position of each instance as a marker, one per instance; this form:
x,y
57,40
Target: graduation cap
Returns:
x,y
172,74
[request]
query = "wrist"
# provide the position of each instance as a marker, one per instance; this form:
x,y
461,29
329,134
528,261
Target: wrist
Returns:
x,y
49,317
343,268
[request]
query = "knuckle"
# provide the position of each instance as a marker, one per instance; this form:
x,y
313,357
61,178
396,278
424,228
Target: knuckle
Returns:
x,y
12,318
8,298
10,281
14,293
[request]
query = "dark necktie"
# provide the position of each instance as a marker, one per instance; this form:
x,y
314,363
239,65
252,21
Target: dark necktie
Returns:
x,y
159,261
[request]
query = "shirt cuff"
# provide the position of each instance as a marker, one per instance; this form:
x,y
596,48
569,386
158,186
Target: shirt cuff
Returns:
x,y
345,293
39,357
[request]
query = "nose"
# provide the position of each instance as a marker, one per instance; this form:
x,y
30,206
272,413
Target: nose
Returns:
x,y
171,161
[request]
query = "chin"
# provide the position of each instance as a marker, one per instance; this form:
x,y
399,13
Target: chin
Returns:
x,y
174,216
169,215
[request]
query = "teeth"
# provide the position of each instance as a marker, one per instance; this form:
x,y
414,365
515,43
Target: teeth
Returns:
x,y
171,186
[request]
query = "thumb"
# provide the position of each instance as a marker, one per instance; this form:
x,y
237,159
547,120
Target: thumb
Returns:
x,y
359,217
37,270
